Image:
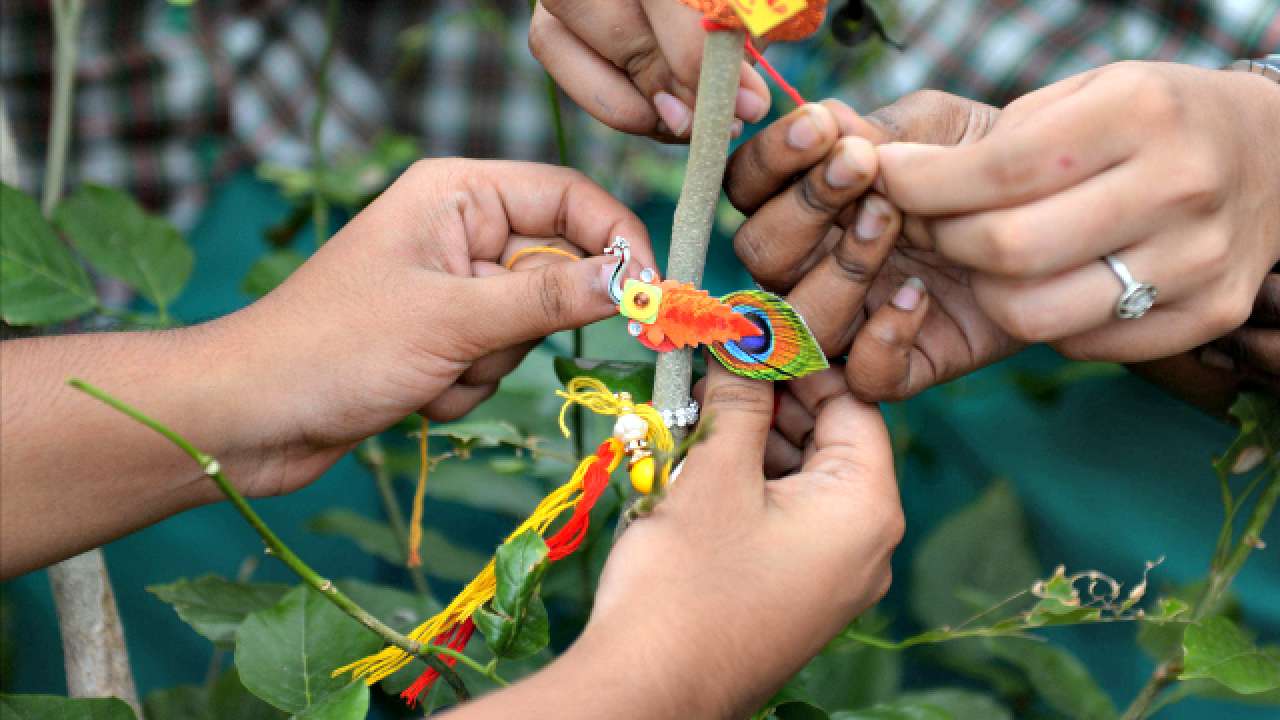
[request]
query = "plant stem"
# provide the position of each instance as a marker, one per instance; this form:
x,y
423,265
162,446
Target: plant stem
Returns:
x,y
319,204
1226,565
66,31
279,549
695,211
374,457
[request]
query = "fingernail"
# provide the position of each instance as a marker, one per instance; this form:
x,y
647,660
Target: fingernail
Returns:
x,y
736,128
673,112
908,296
750,106
853,160
604,275
803,132
1210,357
873,218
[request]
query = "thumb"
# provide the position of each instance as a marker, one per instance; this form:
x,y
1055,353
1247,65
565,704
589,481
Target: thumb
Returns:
x,y
740,413
496,312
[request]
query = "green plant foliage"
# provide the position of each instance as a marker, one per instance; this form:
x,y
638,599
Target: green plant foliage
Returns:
x,y
896,711
846,674
1215,648
270,270
121,239
52,707
633,377
1058,677
41,282
349,703
399,609
468,435
285,653
230,699
514,622
475,485
973,560
182,702
350,180
960,704
440,556
214,606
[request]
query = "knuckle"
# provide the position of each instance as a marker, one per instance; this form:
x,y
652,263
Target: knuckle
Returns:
x,y
737,397
1009,248
1026,322
1155,96
553,294
852,265
1008,168
1228,313
811,196
1198,181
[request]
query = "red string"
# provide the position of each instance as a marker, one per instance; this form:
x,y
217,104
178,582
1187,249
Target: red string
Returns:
x,y
712,26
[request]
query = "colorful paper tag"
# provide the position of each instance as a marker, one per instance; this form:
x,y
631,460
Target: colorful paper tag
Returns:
x,y
761,16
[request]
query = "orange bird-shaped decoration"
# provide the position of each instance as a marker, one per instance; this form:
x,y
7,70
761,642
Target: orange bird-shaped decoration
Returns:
x,y
800,26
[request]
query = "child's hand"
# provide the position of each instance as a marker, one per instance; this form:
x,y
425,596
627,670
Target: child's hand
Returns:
x,y
409,307
708,605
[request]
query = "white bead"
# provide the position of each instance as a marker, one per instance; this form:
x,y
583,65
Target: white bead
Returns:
x,y
630,427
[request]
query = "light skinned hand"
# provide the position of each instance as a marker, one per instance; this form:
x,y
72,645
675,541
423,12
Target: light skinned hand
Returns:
x,y
844,255
634,64
708,605
408,308
1172,168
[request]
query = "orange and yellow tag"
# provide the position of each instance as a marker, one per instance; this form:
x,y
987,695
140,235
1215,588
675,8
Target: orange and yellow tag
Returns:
x,y
761,16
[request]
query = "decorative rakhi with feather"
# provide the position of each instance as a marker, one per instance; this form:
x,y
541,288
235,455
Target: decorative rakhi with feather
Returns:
x,y
752,333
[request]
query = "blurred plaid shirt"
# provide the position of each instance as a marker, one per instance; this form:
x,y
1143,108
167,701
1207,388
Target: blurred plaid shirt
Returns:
x,y
168,98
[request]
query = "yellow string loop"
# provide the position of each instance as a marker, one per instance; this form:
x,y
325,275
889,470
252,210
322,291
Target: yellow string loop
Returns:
x,y
538,250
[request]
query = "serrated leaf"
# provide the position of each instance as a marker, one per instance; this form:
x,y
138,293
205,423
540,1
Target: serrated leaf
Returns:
x,y
285,654
54,707
479,433
1216,649
514,622
230,699
397,608
214,606
121,239
633,377
270,270
349,703
1058,677
440,556
981,553
960,704
41,282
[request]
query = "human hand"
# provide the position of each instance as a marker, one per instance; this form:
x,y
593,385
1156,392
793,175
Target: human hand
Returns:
x,y
608,57
709,604
1172,168
845,256
1252,351
409,307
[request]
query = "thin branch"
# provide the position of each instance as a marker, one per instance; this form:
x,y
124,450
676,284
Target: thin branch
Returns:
x,y
66,32
372,455
279,549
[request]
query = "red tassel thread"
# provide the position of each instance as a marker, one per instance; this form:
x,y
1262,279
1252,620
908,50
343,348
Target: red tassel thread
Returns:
x,y
712,26
561,545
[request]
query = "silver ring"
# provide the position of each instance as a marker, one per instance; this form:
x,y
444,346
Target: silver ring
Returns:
x,y
1137,297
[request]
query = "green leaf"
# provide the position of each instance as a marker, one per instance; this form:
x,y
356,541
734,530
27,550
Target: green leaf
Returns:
x,y
40,280
214,606
270,270
230,699
633,377
120,239
54,707
848,673
440,556
1160,632
960,704
897,710
478,487
1059,603
349,703
514,622
1058,677
399,609
467,435
1215,648
183,702
975,559
285,654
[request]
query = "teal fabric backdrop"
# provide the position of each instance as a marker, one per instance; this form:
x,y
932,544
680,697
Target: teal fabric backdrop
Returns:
x,y
1099,490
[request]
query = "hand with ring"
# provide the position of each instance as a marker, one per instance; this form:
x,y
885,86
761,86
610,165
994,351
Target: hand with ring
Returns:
x,y
1137,190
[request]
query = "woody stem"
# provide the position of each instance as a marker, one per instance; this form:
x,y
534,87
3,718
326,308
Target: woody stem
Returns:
x,y
277,547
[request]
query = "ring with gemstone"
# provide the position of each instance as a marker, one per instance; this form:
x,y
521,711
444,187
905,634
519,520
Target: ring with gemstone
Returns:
x,y
1137,297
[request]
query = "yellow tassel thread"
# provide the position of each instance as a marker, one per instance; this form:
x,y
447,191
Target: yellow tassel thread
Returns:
x,y
481,589
419,500
596,397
